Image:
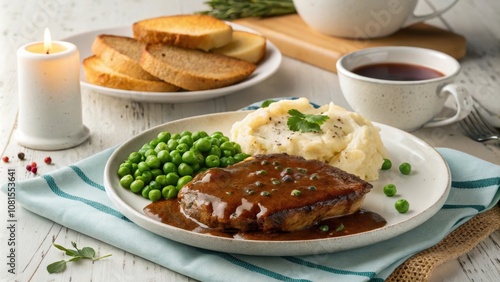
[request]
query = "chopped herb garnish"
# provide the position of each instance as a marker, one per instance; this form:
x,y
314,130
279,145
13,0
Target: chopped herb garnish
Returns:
x,y
305,122
340,228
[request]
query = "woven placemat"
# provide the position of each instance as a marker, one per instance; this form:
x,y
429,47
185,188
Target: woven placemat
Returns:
x,y
420,266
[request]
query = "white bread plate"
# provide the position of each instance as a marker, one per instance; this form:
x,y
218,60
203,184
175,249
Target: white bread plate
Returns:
x,y
267,67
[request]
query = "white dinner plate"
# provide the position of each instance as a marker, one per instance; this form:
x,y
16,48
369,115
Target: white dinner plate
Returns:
x,y
268,66
426,189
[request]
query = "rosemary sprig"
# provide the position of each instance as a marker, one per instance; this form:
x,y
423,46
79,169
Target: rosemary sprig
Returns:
x,y
234,9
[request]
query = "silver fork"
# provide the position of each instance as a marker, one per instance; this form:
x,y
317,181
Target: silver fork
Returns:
x,y
477,128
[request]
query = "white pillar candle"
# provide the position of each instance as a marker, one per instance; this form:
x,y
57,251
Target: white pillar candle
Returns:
x,y
50,106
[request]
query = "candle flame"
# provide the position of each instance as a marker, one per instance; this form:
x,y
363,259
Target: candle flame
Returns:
x,y
47,41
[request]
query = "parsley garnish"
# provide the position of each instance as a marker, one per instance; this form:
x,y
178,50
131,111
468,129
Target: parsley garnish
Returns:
x,y
77,254
305,122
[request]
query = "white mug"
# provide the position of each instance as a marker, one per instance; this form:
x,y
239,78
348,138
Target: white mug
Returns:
x,y
361,18
407,105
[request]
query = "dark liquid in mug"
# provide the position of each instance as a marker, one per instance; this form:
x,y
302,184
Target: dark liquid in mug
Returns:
x,y
397,71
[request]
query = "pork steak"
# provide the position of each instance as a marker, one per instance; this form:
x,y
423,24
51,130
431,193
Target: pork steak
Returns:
x,y
271,193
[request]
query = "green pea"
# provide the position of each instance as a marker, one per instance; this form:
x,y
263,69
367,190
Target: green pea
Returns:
x,y
171,178
203,144
143,166
136,186
186,139
135,166
176,157
134,157
405,168
387,164
169,192
182,147
126,180
145,192
240,156
146,176
227,153
175,136
217,135
149,152
224,139
215,150
137,173
162,180
237,147
169,167
172,144
124,170
324,228
147,146
154,185
390,190
189,157
212,161
198,135
183,181
128,165
227,161
153,162
154,142
161,146
163,136
154,195
215,141
199,156
164,156
142,152
184,169
266,103
156,172
402,205
186,133
227,146
196,167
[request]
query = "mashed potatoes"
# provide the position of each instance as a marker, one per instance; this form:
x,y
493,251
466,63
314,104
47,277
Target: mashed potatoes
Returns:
x,y
347,140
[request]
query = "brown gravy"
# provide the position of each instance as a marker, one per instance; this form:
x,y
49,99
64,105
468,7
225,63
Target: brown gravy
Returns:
x,y
168,212
397,71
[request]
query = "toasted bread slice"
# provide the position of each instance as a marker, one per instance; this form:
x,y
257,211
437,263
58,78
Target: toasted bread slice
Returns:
x,y
96,72
122,54
190,31
246,46
193,69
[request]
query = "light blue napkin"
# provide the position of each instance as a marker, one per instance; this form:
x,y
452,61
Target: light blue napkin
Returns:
x,y
75,197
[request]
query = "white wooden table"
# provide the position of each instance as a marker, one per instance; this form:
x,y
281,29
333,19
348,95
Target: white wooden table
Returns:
x,y
113,120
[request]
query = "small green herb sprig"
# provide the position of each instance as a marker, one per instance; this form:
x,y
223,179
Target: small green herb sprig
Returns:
x,y
77,254
305,122
234,9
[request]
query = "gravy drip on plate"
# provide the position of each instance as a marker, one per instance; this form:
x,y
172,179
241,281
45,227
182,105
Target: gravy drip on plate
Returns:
x,y
168,212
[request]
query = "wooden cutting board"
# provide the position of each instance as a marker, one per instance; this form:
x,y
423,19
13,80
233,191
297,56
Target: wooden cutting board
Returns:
x,y
296,39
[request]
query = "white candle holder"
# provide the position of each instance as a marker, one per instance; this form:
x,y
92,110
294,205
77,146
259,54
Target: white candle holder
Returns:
x,y
50,106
